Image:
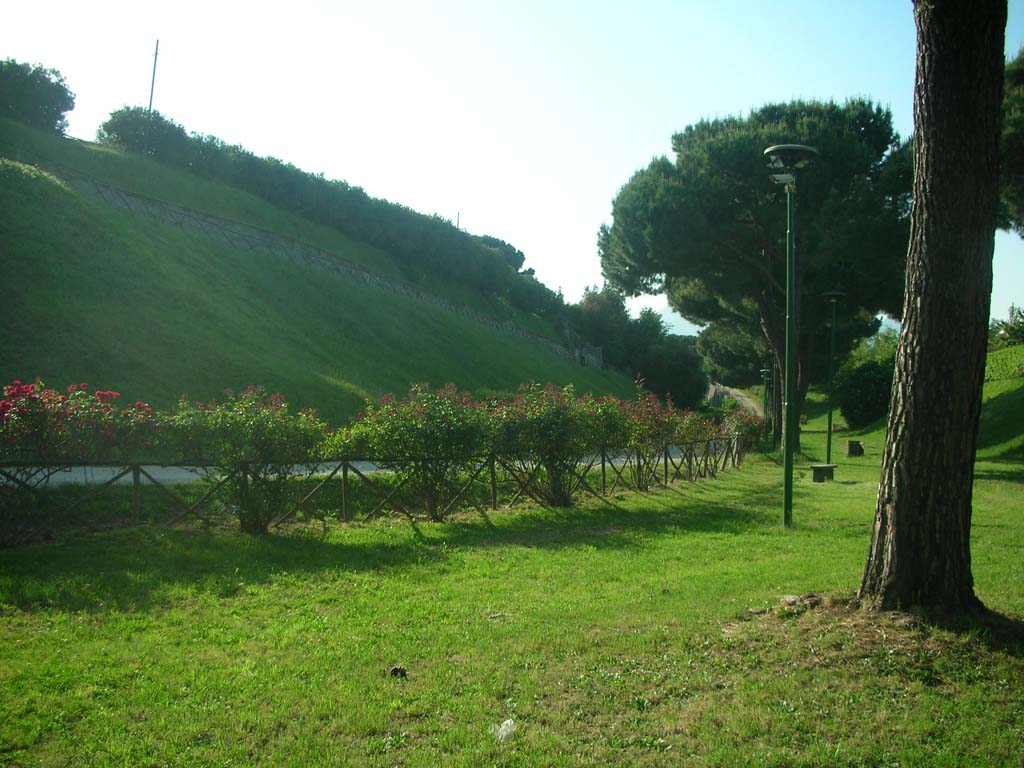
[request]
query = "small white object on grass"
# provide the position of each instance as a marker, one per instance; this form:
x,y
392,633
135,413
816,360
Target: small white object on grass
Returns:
x,y
504,731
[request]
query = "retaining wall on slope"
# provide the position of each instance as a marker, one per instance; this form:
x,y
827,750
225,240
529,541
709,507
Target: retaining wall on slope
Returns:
x,y
250,238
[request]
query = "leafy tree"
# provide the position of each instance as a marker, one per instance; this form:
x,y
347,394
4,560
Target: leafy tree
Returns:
x,y
602,319
673,367
920,552
863,396
641,346
34,95
733,354
509,253
1009,332
1012,147
709,227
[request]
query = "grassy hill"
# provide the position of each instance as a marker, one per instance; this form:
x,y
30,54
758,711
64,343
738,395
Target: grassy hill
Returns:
x,y
94,293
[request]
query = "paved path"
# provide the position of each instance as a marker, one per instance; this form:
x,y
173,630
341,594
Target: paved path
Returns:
x,y
718,392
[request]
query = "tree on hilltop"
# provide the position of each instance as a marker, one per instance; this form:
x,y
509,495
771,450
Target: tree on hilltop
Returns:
x,y
35,95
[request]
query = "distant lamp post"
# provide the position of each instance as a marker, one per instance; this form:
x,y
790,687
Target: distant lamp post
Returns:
x,y
783,161
764,409
832,297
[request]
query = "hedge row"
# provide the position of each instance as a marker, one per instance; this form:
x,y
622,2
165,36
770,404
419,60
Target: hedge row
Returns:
x,y
428,438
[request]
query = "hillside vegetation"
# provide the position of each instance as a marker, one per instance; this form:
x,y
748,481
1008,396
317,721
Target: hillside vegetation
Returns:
x,y
92,292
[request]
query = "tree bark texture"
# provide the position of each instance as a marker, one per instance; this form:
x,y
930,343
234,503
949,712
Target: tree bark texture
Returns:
x,y
920,549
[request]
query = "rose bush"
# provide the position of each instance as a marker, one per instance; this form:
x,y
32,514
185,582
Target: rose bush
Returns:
x,y
38,424
428,438
651,426
546,432
253,440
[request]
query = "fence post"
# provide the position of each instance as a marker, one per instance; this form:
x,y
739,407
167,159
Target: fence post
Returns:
x,y
136,493
604,491
494,483
344,490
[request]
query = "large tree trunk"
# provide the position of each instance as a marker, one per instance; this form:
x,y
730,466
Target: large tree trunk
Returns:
x,y
920,550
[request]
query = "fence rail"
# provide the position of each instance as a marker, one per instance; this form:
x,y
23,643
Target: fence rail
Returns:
x,y
491,480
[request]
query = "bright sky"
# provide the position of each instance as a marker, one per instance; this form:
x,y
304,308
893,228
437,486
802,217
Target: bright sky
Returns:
x,y
519,119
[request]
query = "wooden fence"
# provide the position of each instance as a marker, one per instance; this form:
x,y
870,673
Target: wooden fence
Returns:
x,y
383,481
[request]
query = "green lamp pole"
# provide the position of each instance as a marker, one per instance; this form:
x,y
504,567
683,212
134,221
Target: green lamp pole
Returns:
x,y
775,398
833,298
764,407
783,160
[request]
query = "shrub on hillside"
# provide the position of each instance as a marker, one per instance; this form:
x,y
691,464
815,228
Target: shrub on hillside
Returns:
x,y
1008,332
34,95
1005,363
138,130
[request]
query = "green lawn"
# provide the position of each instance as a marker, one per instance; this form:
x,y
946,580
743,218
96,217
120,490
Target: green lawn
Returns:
x,y
642,631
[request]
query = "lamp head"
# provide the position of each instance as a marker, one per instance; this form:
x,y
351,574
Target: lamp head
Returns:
x,y
783,159
833,296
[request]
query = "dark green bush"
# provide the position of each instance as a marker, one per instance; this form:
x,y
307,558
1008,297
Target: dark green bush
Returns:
x,y
35,95
863,394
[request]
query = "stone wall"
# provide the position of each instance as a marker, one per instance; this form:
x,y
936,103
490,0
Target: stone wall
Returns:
x,y
249,238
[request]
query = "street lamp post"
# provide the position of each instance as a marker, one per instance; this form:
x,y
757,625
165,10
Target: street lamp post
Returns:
x,y
783,160
833,298
764,408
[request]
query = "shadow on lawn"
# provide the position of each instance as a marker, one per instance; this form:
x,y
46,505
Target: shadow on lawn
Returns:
x,y
995,630
145,568
994,469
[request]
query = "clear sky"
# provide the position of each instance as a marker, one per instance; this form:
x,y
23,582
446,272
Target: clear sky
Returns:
x,y
520,119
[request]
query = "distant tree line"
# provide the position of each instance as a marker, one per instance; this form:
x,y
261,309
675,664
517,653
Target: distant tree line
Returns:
x,y
667,363
423,245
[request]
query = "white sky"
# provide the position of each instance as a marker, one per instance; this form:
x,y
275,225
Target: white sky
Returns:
x,y
520,118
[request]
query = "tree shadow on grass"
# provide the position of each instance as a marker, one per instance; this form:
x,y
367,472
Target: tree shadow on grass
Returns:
x,y
140,569
991,469
607,525
995,630
143,569
1000,422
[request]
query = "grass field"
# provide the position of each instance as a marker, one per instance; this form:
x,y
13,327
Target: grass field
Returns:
x,y
647,630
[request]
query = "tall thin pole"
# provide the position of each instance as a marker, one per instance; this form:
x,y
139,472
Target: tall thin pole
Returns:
x,y
152,82
152,86
789,413
764,407
776,421
831,375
